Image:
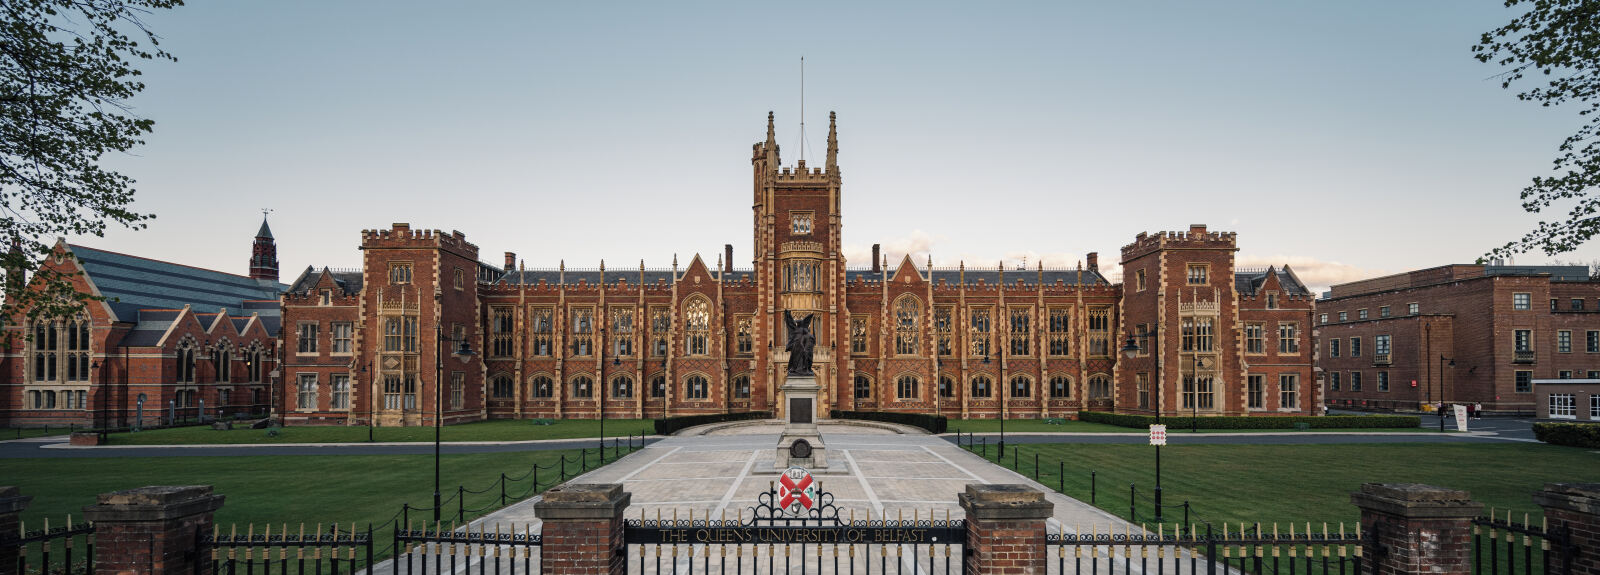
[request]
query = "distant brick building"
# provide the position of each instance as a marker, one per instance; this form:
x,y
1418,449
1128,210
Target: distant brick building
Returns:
x,y
360,345
180,338
1458,333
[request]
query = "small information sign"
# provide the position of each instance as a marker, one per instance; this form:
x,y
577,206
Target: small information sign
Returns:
x,y
1158,434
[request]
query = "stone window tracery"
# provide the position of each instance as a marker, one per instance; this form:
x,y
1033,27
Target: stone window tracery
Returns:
x,y
981,387
1100,331
1021,386
542,386
622,331
980,328
582,387
541,324
1021,330
1099,386
622,386
800,276
502,331
908,324
908,387
943,327
744,341
1060,331
695,387
582,331
660,326
697,326
858,334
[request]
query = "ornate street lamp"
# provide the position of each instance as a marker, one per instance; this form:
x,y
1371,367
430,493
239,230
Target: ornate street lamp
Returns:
x,y
465,351
1131,349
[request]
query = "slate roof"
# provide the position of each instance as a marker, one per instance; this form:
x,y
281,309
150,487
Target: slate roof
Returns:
x,y
133,285
349,280
1247,282
991,277
553,277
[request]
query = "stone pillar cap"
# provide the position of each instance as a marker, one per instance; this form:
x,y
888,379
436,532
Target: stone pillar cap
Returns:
x,y
1005,501
583,501
154,503
1578,497
1416,500
155,495
12,500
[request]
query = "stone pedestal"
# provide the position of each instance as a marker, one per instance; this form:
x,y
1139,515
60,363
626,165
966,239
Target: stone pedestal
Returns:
x,y
1416,529
801,445
1006,529
1575,509
12,503
583,529
152,530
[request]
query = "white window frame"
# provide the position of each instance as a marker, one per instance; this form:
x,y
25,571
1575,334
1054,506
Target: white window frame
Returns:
x,y
1563,406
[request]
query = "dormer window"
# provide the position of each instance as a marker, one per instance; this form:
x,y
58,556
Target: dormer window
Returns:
x,y
1272,300
325,297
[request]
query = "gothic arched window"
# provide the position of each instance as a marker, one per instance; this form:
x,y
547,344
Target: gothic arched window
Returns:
x,y
697,324
907,324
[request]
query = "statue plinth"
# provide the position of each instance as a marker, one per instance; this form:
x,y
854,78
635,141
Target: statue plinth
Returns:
x,y
801,445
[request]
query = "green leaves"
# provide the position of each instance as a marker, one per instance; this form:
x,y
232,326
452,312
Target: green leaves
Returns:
x,y
1561,40
66,75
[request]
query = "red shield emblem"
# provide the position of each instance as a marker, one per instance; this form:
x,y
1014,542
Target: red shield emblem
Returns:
x,y
797,491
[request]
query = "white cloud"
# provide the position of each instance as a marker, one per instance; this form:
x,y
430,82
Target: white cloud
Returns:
x,y
1317,274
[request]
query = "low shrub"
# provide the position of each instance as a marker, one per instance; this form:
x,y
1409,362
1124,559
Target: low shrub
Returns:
x,y
671,425
933,423
1569,434
1257,422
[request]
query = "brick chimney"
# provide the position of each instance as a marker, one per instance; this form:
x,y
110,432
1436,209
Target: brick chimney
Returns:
x,y
875,267
727,260
1197,229
1094,261
511,261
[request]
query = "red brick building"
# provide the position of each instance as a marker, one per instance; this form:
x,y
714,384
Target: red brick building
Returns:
x,y
168,340
696,338
1458,333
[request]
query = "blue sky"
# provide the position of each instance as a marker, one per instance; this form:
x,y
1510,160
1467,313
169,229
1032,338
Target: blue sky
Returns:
x,y
1348,139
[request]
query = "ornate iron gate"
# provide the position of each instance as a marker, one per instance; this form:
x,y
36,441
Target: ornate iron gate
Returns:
x,y
767,540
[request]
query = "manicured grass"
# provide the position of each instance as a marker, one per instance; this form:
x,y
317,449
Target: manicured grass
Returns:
x,y
1299,483
497,430
290,490
1032,426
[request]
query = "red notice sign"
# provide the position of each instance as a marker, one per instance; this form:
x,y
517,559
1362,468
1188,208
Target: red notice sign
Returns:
x,y
1158,434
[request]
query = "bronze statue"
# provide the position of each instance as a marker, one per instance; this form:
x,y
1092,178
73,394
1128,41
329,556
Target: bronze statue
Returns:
x,y
801,342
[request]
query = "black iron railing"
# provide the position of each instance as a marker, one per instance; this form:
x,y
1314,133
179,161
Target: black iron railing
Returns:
x,y
1249,549
458,550
1501,546
320,550
63,550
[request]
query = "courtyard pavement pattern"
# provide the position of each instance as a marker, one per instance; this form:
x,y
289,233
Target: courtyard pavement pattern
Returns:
x,y
886,475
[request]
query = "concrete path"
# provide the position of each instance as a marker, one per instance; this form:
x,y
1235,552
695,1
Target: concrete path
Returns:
x,y
874,474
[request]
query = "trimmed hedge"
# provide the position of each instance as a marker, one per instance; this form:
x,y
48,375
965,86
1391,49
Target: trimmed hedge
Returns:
x,y
671,425
1257,422
1570,434
933,423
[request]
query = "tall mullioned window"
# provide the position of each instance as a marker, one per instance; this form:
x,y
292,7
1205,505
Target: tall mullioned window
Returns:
x,y
982,387
1100,331
1060,330
908,387
541,322
660,326
943,327
502,331
981,326
908,325
744,339
60,351
1197,334
622,331
697,326
858,334
1289,338
582,331
1021,330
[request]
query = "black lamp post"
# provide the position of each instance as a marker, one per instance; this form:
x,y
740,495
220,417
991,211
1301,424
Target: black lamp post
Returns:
x,y
1001,384
371,397
438,404
938,384
1442,360
1131,349
1194,406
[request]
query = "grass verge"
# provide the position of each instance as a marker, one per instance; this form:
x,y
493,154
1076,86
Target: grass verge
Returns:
x,y
286,491
1296,483
497,430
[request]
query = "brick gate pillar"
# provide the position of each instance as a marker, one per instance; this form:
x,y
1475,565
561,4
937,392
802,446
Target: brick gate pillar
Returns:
x,y
582,531
152,530
1575,508
12,502
1005,529
1416,529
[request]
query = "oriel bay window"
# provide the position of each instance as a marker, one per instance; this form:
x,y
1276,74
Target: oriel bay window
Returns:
x,y
400,334
1197,334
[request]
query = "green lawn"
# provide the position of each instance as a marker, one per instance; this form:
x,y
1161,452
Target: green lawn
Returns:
x,y
1032,426
497,430
290,490
1300,483
1070,426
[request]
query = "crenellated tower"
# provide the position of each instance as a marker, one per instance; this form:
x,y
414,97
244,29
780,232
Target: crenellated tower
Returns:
x,y
799,264
264,254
